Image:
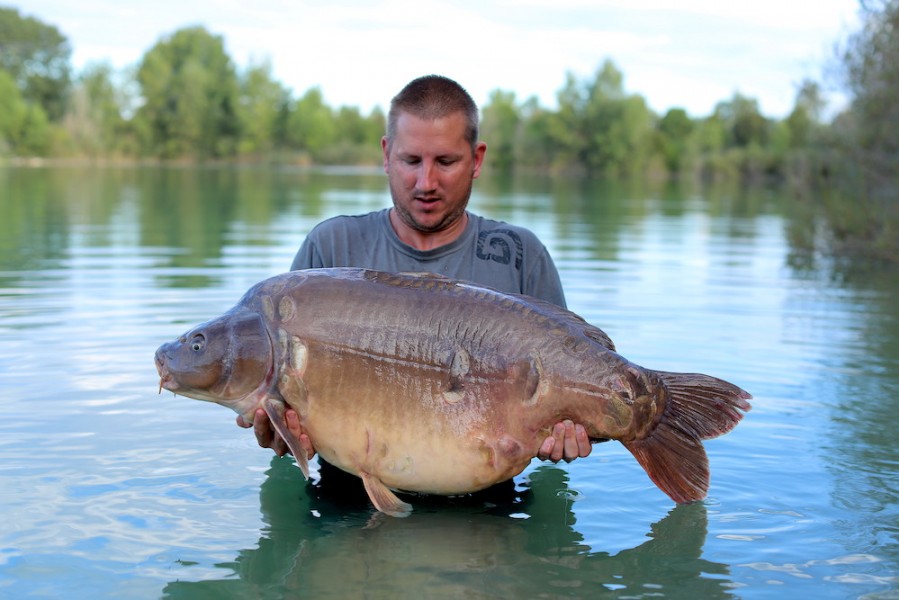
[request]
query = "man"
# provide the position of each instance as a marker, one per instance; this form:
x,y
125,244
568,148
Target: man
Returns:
x,y
432,156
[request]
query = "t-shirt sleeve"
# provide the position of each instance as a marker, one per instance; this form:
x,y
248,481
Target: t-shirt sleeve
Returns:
x,y
542,279
307,257
311,254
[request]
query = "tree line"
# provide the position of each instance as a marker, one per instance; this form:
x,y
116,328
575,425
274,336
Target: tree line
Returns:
x,y
186,99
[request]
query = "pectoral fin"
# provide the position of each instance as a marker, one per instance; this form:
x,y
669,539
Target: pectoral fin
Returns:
x,y
383,499
275,410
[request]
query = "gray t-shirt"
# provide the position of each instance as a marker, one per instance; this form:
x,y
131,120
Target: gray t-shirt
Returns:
x,y
506,257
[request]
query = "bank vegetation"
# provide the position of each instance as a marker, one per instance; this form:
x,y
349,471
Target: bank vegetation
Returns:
x,y
187,101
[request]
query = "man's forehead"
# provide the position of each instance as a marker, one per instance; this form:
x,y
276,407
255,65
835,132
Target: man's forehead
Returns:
x,y
441,135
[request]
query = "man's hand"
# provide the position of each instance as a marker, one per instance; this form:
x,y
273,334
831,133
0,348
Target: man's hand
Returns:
x,y
568,441
267,437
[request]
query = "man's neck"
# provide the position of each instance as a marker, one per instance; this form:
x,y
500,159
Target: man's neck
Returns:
x,y
424,241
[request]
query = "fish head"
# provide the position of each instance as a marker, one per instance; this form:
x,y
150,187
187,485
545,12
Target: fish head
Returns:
x,y
224,360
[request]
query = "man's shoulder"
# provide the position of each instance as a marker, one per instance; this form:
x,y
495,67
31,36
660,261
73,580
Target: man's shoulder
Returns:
x,y
363,222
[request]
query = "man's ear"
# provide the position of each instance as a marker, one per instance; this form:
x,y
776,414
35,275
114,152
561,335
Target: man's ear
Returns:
x,y
385,150
479,151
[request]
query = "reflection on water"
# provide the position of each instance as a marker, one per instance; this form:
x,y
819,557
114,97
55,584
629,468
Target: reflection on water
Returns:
x,y
112,491
454,551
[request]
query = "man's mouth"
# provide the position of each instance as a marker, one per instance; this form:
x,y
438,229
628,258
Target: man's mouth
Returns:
x,y
429,200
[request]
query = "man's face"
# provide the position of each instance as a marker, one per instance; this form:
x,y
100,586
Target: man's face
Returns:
x,y
430,167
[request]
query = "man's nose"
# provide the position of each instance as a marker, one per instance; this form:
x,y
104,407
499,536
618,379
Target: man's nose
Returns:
x,y
427,176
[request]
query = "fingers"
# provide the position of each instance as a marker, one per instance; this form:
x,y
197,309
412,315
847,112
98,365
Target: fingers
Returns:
x,y
307,446
296,430
266,436
559,447
553,446
546,448
584,447
262,427
567,441
570,445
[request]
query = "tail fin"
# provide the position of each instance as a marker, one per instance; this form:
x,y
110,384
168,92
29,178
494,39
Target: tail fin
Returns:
x,y
698,407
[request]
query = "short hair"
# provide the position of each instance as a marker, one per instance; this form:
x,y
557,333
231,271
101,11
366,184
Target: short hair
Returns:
x,y
434,97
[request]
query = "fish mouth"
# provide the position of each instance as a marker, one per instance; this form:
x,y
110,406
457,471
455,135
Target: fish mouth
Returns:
x,y
166,381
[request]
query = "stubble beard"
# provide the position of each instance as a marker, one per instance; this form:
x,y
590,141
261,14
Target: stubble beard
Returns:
x,y
409,219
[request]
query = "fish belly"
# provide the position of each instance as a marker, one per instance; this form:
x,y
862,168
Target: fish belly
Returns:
x,y
410,432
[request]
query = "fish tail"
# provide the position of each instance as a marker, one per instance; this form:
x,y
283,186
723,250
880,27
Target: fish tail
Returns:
x,y
698,407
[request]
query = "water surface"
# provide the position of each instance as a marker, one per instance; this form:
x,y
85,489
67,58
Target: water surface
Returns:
x,y
110,490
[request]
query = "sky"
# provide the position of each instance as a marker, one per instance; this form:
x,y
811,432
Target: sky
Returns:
x,y
689,54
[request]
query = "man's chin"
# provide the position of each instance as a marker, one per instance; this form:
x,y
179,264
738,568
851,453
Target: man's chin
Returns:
x,y
428,220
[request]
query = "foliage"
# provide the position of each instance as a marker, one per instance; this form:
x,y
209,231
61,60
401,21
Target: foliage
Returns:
x,y
36,55
673,136
94,121
873,76
869,155
186,100
501,123
354,134
310,126
190,94
612,126
24,128
598,128
804,122
262,109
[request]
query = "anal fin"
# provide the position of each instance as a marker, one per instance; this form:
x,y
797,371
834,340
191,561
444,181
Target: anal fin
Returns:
x,y
275,409
383,499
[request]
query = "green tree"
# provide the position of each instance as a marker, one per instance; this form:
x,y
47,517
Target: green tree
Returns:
x,y
869,164
355,137
804,121
612,130
746,144
24,129
94,120
262,103
190,93
542,137
743,121
310,125
36,55
674,131
872,72
500,125
566,130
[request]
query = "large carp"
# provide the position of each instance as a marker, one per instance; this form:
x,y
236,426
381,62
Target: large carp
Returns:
x,y
426,384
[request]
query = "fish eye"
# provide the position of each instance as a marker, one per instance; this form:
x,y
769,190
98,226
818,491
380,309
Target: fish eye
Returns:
x,y
198,342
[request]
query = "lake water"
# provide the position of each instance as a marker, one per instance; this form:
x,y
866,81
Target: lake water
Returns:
x,y
111,490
